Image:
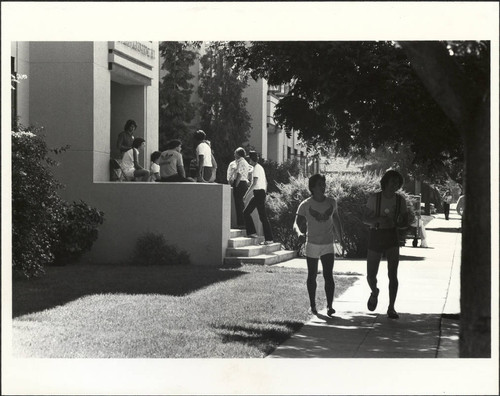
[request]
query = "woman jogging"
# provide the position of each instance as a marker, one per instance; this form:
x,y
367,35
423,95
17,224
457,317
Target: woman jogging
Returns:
x,y
317,217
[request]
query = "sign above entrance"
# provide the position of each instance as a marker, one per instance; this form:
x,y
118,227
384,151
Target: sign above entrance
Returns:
x,y
132,62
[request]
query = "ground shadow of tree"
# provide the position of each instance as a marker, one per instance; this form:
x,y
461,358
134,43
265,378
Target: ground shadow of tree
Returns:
x,y
355,335
63,284
443,229
264,336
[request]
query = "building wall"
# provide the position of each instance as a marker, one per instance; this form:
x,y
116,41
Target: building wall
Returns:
x,y
80,100
256,95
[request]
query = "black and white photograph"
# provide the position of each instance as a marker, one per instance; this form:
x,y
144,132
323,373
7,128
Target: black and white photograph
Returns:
x,y
250,198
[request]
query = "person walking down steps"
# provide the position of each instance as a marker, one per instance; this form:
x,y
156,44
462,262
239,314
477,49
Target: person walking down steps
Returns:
x,y
385,212
258,188
317,217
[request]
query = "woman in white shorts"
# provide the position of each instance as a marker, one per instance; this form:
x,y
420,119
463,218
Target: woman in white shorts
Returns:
x,y
317,217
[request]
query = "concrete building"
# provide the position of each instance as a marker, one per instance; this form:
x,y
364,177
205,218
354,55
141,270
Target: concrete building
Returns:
x,y
82,93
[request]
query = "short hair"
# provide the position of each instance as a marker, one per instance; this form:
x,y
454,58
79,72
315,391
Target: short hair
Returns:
x,y
241,152
128,124
391,174
253,156
314,179
200,135
155,155
174,143
137,142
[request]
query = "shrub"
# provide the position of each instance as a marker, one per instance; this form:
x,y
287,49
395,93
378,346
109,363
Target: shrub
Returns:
x,y
77,231
40,218
351,192
152,249
279,173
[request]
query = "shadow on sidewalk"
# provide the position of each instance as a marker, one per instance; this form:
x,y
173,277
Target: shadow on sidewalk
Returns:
x,y
355,335
443,229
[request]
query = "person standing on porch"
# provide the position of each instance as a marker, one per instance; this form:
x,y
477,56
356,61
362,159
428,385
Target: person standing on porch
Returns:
x,y
258,189
240,184
203,157
385,212
126,138
318,219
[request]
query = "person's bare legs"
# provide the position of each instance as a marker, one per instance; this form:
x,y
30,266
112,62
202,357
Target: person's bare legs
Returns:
x,y
312,272
392,271
327,261
372,265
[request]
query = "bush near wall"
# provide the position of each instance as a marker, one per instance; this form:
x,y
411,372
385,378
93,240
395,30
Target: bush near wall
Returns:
x,y
45,228
152,249
351,192
277,174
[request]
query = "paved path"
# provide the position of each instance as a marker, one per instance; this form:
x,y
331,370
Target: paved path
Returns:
x,y
428,303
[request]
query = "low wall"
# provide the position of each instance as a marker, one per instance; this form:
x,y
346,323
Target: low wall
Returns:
x,y
194,216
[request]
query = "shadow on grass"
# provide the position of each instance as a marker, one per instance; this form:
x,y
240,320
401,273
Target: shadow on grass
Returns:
x,y
265,336
64,284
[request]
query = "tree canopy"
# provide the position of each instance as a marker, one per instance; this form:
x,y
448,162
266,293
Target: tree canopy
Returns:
x,y
358,96
176,108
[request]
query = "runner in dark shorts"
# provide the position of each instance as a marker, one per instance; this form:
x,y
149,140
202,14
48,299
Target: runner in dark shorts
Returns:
x,y
385,212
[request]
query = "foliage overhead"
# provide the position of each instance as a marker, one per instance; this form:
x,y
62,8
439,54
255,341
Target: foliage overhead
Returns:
x,y
224,117
358,96
176,110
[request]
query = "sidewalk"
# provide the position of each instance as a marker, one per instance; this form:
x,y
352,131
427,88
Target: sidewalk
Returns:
x,y
428,303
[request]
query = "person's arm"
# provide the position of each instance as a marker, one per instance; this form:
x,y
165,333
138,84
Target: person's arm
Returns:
x,y
180,169
121,144
403,218
136,160
300,225
201,160
251,188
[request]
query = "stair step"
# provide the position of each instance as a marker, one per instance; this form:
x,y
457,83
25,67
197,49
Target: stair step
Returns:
x,y
244,241
252,250
235,233
262,259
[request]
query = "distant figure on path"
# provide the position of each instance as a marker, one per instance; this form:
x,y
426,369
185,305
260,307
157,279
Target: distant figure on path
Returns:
x,y
130,162
258,188
126,138
446,204
317,217
386,211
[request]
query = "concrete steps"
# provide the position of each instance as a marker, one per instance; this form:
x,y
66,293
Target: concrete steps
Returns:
x,y
244,250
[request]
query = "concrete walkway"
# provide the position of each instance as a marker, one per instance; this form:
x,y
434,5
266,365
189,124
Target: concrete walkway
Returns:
x,y
428,303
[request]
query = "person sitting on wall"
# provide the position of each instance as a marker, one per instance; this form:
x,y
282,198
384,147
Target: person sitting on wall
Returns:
x,y
172,164
130,162
204,157
154,168
126,138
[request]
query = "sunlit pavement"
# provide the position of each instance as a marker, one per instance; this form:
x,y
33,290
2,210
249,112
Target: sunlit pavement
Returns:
x,y
428,304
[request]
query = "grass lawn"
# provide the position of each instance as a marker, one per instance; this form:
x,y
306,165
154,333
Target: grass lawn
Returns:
x,y
85,311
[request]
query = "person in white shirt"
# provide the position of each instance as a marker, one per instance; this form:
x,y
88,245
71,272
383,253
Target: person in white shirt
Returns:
x,y
172,164
258,188
318,218
203,156
154,168
239,178
130,162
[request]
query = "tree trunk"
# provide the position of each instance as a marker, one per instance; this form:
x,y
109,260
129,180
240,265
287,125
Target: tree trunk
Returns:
x,y
470,112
